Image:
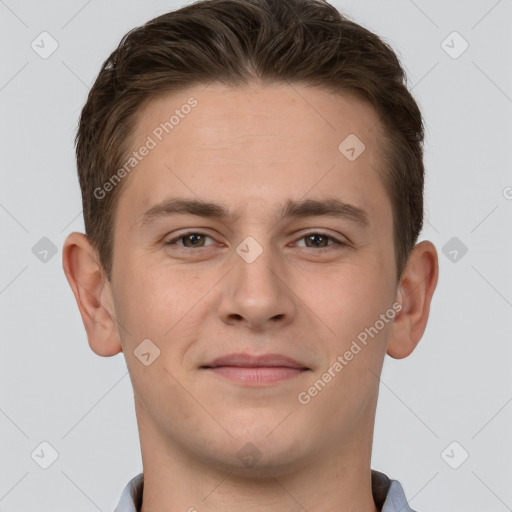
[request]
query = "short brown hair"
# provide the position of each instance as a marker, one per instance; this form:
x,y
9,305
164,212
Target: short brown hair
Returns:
x,y
235,42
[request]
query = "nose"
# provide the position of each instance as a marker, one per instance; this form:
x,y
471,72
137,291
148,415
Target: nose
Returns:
x,y
256,294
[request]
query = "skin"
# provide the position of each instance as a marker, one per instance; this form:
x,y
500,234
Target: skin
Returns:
x,y
251,150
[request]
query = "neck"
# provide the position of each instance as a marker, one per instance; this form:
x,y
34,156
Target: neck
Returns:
x,y
334,481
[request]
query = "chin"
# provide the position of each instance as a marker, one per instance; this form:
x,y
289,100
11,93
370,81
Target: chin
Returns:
x,y
256,454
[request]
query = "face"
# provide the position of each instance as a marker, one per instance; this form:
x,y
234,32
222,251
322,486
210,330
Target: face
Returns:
x,y
292,258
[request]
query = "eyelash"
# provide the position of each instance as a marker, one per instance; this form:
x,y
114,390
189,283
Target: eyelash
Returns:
x,y
319,249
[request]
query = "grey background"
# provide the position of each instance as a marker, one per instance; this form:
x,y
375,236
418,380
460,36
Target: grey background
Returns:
x,y
456,386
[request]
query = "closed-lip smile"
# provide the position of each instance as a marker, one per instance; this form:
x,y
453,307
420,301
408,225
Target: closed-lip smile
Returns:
x,y
256,369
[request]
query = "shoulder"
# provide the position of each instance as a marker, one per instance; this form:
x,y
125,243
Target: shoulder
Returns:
x,y
388,494
131,499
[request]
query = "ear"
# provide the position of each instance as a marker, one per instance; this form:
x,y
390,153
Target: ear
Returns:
x,y
414,293
93,294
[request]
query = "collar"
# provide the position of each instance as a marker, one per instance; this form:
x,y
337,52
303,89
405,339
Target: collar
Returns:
x,y
387,494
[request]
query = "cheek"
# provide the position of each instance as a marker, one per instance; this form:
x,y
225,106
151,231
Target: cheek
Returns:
x,y
151,307
165,305
354,312
351,306
145,308
349,296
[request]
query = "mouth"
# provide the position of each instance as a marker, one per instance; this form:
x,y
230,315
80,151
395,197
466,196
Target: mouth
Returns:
x,y
256,369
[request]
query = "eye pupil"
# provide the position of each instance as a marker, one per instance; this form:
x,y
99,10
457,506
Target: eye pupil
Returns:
x,y
314,240
193,238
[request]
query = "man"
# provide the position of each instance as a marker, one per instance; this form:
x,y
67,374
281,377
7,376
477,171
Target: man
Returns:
x,y
252,183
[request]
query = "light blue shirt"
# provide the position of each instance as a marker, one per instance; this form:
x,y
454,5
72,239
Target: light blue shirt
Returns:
x,y
387,494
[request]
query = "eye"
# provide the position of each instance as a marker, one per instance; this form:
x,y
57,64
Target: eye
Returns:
x,y
320,240
190,240
197,239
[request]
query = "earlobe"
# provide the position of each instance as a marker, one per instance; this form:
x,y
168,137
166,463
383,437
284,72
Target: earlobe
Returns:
x,y
414,293
92,293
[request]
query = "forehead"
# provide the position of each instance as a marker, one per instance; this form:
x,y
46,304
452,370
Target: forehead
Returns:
x,y
254,144
225,114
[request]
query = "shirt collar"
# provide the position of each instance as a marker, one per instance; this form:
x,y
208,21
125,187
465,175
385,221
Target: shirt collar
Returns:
x,y
387,494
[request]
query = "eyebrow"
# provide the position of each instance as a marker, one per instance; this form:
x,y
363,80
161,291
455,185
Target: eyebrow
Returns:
x,y
335,208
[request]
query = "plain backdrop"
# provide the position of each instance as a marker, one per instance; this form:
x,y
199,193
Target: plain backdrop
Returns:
x,y
444,416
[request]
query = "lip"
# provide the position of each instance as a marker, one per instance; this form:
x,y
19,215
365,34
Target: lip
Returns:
x,y
256,369
254,361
